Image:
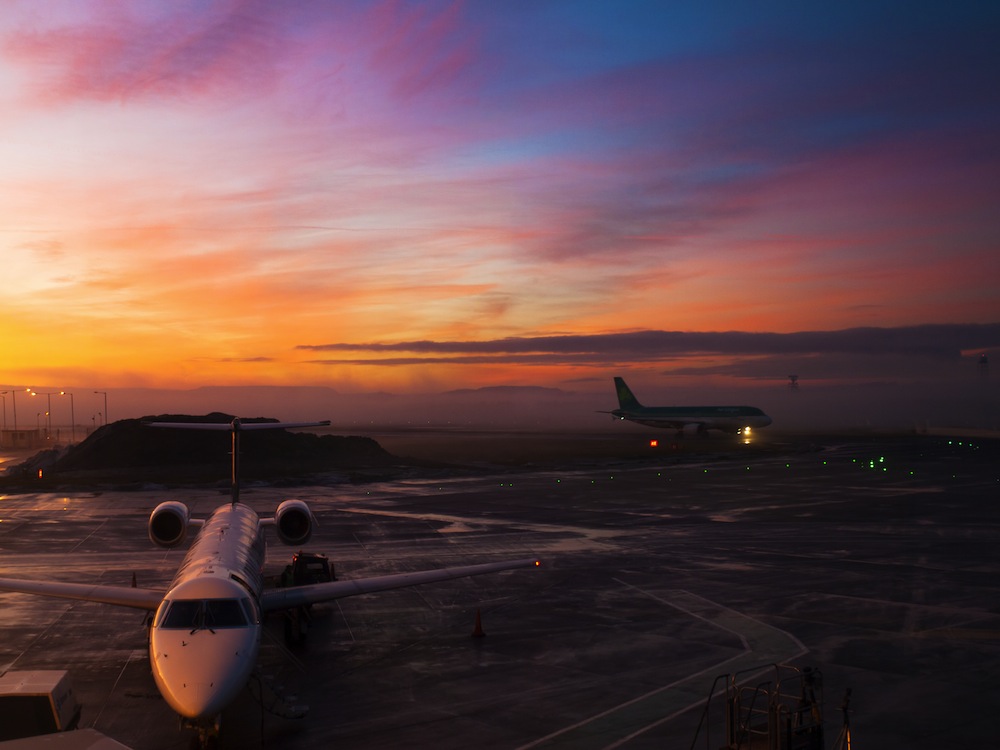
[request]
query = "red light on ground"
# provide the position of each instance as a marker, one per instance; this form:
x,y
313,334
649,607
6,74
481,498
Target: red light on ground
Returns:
x,y
39,473
653,443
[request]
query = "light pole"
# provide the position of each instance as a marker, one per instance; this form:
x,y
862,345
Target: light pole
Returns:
x,y
72,414
48,413
105,394
13,398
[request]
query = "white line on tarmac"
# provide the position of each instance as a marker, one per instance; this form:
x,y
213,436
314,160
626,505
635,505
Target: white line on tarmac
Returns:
x,y
758,639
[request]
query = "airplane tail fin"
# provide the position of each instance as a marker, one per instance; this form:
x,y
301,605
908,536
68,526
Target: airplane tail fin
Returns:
x,y
236,427
626,400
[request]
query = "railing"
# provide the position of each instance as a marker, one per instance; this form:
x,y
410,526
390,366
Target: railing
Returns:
x,y
783,713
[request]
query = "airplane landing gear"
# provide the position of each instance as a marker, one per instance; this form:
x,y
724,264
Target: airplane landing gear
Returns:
x,y
207,735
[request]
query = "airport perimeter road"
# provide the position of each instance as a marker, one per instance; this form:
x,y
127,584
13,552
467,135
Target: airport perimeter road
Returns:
x,y
874,560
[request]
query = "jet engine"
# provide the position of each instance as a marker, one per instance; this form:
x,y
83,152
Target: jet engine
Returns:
x,y
294,522
168,523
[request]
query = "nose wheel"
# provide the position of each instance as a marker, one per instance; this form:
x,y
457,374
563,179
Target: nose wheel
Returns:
x,y
207,735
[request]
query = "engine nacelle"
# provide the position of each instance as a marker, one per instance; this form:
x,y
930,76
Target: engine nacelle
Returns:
x,y
294,522
168,523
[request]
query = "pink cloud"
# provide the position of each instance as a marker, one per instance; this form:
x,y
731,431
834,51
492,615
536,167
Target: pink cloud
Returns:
x,y
421,50
118,55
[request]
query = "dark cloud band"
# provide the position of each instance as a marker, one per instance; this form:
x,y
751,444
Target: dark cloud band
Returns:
x,y
947,341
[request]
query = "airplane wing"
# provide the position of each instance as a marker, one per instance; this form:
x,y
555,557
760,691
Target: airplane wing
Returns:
x,y
121,596
271,600
295,596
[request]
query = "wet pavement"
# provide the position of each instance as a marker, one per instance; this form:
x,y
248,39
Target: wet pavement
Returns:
x,y
872,559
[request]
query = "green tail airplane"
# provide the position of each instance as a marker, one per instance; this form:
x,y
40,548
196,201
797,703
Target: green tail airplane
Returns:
x,y
738,419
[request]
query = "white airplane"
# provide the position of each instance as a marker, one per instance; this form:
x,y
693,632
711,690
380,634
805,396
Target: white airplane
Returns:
x,y
737,419
207,629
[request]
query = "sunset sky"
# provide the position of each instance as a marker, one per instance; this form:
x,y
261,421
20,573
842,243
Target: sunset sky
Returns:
x,y
415,197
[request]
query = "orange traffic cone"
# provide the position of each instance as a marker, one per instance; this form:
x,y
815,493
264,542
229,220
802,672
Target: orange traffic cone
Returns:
x,y
477,632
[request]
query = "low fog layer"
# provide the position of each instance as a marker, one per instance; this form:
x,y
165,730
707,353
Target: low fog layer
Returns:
x,y
971,401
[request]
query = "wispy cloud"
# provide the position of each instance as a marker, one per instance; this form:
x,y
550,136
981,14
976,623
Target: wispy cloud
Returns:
x,y
122,52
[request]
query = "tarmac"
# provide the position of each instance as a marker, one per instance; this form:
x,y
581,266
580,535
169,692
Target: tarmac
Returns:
x,y
873,559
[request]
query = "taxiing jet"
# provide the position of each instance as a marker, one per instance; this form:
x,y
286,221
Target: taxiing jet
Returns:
x,y
206,631
738,419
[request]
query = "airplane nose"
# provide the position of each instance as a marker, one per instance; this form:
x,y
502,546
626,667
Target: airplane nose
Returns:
x,y
208,700
199,700
200,674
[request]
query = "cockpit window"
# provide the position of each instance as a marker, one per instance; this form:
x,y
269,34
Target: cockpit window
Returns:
x,y
224,613
194,614
183,613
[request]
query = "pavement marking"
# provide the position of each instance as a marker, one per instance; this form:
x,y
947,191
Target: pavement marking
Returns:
x,y
87,538
58,615
121,672
763,645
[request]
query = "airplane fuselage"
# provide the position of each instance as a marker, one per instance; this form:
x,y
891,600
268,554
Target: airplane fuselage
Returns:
x,y
206,633
729,418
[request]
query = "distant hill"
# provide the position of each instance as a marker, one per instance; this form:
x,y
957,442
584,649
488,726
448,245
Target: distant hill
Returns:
x,y
127,450
510,390
493,407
